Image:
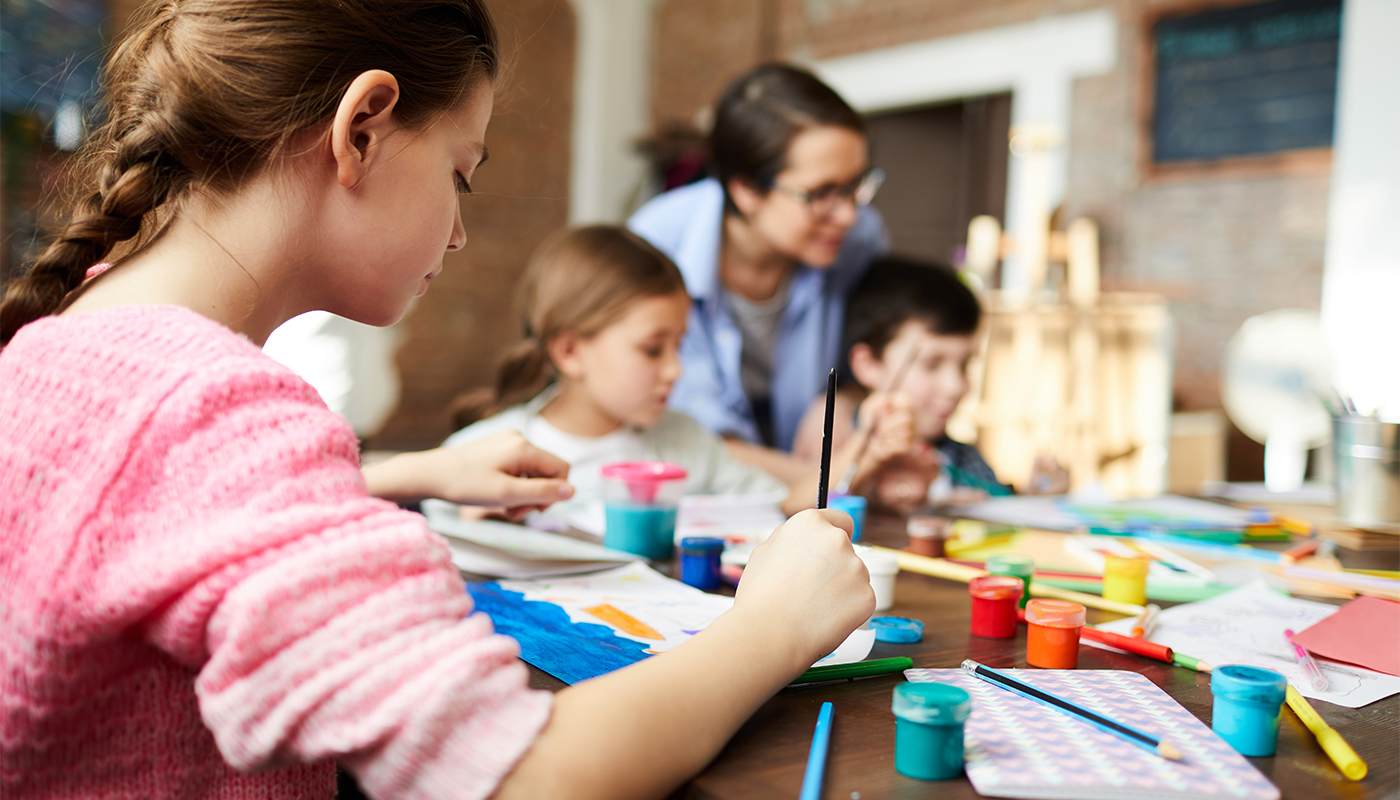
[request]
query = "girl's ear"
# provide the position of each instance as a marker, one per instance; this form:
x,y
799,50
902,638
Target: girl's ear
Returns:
x,y
563,351
362,123
867,369
745,195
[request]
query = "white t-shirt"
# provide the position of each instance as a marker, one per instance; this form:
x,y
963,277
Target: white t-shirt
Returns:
x,y
676,438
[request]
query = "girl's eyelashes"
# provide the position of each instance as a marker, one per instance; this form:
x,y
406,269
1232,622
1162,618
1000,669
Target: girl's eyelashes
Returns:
x,y
462,186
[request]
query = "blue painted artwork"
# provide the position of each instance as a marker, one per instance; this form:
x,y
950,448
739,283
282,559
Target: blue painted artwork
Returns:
x,y
570,651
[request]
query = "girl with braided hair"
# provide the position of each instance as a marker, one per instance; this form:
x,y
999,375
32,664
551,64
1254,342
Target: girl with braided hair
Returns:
x,y
200,595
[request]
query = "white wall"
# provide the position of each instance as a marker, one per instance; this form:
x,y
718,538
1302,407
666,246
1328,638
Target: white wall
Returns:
x,y
1361,275
612,106
1037,61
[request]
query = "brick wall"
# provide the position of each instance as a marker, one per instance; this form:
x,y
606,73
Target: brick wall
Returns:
x,y
452,336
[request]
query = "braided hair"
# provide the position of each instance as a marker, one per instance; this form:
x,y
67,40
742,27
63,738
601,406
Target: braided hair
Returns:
x,y
203,95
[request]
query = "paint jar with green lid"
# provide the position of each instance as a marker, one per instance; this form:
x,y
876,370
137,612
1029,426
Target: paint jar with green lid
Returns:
x,y
1017,566
928,729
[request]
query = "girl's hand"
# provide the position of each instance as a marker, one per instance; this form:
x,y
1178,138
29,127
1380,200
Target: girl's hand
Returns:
x,y
805,585
499,470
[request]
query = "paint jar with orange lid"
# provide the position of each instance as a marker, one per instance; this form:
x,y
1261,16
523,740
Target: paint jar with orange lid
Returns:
x,y
1052,635
1125,578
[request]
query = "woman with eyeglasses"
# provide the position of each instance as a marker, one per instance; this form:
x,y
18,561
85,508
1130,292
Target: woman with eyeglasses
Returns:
x,y
769,247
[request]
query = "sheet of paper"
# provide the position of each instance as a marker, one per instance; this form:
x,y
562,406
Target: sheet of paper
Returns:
x,y
738,519
516,540
583,626
1365,632
489,562
1245,626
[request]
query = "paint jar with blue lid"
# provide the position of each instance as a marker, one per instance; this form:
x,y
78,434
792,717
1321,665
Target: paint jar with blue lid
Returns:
x,y
928,729
700,561
1248,702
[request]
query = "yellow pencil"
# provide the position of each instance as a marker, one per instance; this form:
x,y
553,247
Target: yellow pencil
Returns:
x,y
1332,742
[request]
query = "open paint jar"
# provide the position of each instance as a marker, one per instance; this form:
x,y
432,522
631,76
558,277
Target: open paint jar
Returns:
x,y
1022,567
882,566
927,535
640,499
1125,578
995,599
928,729
1248,702
1052,634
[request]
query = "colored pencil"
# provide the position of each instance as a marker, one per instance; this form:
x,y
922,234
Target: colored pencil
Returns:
x,y
816,759
1191,663
860,669
1332,742
824,475
1125,732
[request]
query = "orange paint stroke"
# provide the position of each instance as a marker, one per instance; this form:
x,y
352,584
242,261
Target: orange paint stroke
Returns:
x,y
624,622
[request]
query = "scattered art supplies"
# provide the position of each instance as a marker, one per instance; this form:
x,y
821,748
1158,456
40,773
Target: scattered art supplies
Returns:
x,y
500,549
584,626
1246,625
1016,747
1364,632
1167,514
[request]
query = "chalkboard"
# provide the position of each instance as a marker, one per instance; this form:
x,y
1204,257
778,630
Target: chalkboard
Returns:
x,y
1246,80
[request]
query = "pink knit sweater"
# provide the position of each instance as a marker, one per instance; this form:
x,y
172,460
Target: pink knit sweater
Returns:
x,y
199,599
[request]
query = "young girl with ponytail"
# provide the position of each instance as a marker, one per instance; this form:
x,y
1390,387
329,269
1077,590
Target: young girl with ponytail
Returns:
x,y
199,595
605,313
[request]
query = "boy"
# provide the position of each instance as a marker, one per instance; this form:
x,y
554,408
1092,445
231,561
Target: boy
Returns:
x,y
910,332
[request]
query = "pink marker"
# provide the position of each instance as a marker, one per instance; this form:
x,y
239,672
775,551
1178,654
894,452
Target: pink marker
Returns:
x,y
1315,676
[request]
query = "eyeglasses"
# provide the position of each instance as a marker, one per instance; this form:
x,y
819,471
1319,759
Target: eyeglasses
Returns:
x,y
822,201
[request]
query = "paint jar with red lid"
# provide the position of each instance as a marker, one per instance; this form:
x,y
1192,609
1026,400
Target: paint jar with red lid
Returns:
x,y
995,599
1052,638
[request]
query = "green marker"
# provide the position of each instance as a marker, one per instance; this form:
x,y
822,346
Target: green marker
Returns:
x,y
860,669
1190,663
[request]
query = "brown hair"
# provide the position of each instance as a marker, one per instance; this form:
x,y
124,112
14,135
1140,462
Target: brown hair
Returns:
x,y
758,116
580,280
203,94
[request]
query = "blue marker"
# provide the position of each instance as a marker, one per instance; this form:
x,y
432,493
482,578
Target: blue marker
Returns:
x,y
816,760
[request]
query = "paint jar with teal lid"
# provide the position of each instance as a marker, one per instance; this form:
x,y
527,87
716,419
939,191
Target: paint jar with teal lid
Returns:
x,y
1016,566
1248,702
928,729
854,505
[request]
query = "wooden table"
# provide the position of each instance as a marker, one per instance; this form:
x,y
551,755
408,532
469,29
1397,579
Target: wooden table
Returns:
x,y
766,758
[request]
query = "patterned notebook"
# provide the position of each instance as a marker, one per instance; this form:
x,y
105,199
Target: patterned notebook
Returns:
x,y
1017,747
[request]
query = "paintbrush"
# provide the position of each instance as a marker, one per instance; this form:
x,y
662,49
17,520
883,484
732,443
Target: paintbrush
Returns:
x,y
824,474
896,381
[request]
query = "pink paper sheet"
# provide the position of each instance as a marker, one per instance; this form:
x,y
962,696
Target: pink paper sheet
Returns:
x,y
1365,632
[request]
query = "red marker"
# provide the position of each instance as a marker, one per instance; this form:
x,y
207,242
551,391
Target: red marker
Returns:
x,y
1140,647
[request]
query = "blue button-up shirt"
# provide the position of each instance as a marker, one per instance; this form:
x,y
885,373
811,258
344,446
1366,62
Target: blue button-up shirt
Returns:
x,y
685,224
